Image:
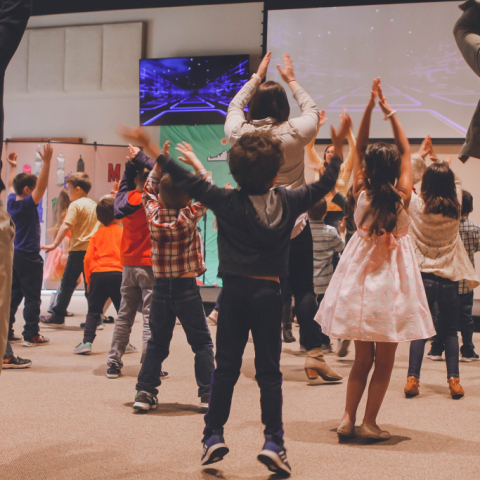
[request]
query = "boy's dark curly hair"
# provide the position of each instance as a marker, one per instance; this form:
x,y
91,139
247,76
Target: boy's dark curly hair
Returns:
x,y
255,161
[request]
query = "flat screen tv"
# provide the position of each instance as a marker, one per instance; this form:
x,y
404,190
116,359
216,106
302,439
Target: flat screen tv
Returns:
x,y
190,90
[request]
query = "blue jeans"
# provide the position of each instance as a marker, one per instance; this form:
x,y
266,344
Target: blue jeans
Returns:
x,y
171,298
442,296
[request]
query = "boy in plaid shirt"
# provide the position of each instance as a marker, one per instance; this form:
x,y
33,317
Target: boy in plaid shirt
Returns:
x,y
177,261
470,233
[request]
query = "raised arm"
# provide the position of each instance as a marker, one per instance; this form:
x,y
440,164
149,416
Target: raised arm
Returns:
x,y
12,160
121,206
346,171
315,161
42,181
308,122
405,181
362,142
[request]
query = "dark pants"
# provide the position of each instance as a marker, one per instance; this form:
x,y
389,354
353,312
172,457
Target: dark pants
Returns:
x,y
256,305
27,284
217,304
73,270
103,285
466,324
171,298
8,351
333,219
325,338
300,280
442,296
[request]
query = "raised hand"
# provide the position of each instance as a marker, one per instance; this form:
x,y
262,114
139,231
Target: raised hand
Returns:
x,y
425,147
382,101
133,151
12,159
47,153
374,93
115,189
189,156
263,68
136,135
287,71
166,148
323,119
339,137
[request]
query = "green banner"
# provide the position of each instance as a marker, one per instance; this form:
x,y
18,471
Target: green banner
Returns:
x,y
210,146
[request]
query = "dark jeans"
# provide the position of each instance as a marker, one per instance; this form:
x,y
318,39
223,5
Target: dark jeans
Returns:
x,y
466,324
300,280
73,270
217,304
27,283
325,338
171,298
442,296
103,285
8,351
256,305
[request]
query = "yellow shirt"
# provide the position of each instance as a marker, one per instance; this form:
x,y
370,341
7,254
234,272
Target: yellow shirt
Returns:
x,y
82,220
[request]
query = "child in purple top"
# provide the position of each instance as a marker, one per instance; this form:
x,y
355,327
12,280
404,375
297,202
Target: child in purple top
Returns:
x,y
26,192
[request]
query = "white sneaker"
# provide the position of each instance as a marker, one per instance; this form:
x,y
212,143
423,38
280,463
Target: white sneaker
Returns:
x,y
130,349
213,317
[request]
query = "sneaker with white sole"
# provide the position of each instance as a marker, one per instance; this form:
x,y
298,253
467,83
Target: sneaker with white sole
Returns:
x,y
83,349
214,448
113,372
12,338
16,362
130,349
204,402
164,375
47,321
274,456
145,401
470,358
435,356
35,341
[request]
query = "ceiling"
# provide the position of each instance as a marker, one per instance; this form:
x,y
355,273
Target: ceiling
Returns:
x,y
52,7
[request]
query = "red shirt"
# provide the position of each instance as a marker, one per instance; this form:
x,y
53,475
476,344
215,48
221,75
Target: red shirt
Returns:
x,y
135,249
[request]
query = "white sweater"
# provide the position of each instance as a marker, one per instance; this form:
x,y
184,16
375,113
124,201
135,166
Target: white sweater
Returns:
x,y
437,243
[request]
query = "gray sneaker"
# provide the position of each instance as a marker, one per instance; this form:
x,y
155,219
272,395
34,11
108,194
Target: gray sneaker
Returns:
x,y
130,349
83,349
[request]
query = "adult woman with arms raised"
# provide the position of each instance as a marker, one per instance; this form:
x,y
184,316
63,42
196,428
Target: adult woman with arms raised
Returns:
x,y
269,111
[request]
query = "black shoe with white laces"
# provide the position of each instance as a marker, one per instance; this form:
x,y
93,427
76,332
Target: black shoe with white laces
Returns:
x,y
470,357
113,372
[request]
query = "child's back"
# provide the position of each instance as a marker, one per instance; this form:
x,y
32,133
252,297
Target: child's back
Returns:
x,y
82,220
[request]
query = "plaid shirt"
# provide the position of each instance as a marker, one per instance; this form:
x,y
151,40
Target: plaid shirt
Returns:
x,y
470,233
176,247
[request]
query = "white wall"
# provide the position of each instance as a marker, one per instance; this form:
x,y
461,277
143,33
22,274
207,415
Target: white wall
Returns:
x,y
171,32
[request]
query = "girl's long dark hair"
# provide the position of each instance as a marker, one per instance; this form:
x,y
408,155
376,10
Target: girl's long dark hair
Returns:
x,y
270,100
438,191
382,165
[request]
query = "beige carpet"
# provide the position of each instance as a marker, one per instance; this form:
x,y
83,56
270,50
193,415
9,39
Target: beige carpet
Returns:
x,y
63,419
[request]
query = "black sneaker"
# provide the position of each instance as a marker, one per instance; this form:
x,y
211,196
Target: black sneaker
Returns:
x,y
471,357
145,401
164,375
46,320
108,320
434,355
12,338
113,372
99,324
16,362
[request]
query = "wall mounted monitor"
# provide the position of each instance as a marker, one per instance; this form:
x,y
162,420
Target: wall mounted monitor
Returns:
x,y
337,51
190,90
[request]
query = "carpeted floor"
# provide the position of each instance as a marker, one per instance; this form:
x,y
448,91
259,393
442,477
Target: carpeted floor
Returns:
x,y
63,419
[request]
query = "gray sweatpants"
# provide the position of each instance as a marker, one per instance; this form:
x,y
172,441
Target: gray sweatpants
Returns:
x,y
136,290
467,36
7,234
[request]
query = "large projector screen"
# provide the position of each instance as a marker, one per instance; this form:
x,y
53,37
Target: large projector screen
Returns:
x,y
338,51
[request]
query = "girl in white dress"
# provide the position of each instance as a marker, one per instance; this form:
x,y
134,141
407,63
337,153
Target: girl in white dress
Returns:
x,y
376,296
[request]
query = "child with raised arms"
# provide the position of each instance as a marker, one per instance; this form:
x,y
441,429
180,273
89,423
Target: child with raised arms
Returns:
x,y
376,296
255,222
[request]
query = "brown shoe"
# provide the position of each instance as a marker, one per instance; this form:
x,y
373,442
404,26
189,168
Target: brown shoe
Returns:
x,y
456,390
412,387
316,365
